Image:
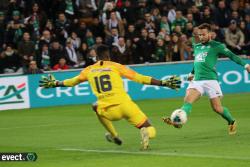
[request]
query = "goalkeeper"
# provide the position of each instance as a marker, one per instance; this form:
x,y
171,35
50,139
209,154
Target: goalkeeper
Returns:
x,y
113,103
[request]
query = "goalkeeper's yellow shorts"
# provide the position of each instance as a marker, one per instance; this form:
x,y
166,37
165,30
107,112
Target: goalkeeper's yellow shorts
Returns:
x,y
127,110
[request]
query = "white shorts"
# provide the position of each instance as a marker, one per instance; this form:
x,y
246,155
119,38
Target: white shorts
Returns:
x,y
208,87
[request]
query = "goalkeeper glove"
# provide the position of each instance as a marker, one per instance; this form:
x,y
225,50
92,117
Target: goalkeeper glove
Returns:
x,y
48,82
173,82
168,121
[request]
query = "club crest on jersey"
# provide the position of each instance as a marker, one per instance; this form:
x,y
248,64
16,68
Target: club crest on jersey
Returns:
x,y
201,57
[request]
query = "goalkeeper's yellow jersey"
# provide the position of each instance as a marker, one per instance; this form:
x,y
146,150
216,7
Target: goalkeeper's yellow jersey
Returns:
x,y
105,79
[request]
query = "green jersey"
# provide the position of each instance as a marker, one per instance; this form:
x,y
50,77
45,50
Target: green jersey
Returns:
x,y
205,59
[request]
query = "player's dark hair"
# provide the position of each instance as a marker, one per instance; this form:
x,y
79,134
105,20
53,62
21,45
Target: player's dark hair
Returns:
x,y
205,26
102,52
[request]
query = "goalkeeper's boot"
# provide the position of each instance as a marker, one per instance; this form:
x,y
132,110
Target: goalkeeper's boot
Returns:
x,y
168,121
112,139
232,128
145,138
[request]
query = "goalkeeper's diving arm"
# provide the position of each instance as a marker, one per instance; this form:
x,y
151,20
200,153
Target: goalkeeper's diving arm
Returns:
x,y
172,82
68,82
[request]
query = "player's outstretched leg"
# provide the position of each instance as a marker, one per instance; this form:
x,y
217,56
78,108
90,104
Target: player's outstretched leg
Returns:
x,y
225,113
111,135
230,120
192,96
147,132
112,139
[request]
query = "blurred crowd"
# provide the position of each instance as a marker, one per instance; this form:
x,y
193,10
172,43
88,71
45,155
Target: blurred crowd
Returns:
x,y
36,36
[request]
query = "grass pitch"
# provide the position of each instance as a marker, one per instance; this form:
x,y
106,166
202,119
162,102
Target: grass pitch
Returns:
x,y
71,136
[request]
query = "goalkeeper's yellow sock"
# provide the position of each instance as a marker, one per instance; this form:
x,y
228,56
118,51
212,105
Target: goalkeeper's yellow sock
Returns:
x,y
108,126
151,132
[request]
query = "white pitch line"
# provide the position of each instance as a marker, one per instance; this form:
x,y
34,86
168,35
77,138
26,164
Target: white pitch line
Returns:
x,y
159,154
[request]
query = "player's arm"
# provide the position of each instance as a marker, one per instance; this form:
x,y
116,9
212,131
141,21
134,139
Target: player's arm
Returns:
x,y
51,82
225,51
173,82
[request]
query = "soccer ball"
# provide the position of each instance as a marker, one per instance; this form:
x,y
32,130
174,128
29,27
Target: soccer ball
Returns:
x,y
179,117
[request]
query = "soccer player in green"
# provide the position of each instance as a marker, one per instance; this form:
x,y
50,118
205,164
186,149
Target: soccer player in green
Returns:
x,y
204,78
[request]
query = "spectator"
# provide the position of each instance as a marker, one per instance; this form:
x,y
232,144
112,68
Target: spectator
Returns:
x,y
165,25
91,57
222,14
235,16
83,52
2,28
97,28
107,10
15,28
234,37
62,28
120,52
179,21
113,38
50,27
218,32
247,20
207,17
160,51
90,39
131,33
187,47
190,19
9,61
81,29
246,32
210,4
156,15
114,22
98,42
61,65
33,69
196,14
56,52
144,48
46,38
175,52
141,10
189,29
45,57
149,24
171,13
128,13
86,9
37,19
70,53
76,41
26,50
247,8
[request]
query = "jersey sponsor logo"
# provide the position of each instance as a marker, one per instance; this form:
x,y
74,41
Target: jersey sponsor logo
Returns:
x,y
101,70
201,57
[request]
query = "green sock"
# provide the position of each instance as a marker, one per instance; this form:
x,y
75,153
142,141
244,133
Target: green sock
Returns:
x,y
187,107
227,115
